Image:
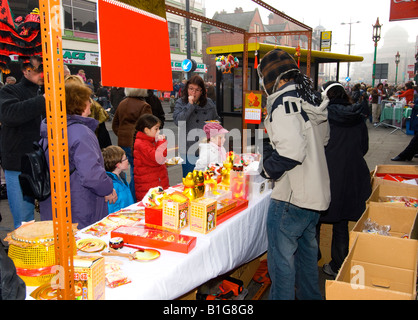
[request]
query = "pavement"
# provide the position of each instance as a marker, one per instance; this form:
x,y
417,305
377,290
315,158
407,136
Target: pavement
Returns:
x,y
384,144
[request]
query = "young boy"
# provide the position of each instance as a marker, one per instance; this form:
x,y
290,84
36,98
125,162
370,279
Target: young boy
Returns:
x,y
116,162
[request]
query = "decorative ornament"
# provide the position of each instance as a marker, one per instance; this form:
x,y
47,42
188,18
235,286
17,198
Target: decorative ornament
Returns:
x,y
297,55
226,64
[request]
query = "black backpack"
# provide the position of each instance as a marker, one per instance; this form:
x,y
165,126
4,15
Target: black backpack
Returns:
x,y
34,178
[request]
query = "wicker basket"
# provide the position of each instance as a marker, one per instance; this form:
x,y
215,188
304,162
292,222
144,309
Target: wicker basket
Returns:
x,y
32,249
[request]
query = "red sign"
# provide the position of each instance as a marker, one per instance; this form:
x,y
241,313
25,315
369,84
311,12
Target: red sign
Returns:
x,y
403,10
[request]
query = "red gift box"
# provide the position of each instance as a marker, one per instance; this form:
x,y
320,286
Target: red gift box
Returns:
x,y
155,238
154,216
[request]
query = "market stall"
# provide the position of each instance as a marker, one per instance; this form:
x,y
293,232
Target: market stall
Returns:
x,y
394,113
162,247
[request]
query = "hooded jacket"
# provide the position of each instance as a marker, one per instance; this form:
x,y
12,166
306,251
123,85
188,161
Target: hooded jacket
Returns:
x,y
121,187
128,112
349,173
89,182
298,133
149,164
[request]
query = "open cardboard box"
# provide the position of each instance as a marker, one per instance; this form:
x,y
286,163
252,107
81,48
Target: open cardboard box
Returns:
x,y
385,190
376,268
402,220
408,172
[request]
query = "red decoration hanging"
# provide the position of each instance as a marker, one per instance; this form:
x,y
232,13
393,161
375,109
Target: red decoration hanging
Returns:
x,y
297,54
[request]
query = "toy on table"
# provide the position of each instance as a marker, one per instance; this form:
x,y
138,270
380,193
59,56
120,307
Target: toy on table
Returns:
x,y
189,186
211,186
199,182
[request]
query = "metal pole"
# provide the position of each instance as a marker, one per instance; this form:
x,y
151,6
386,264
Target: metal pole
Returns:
x,y
56,117
188,47
374,64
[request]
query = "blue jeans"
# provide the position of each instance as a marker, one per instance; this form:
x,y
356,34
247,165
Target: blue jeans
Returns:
x,y
129,155
292,252
21,207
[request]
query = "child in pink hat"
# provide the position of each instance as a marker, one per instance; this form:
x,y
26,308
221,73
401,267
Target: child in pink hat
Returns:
x,y
211,150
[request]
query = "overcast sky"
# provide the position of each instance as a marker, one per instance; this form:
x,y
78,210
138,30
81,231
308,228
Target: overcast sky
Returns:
x,y
329,14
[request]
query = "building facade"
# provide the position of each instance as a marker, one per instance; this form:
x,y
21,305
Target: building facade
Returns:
x,y
80,41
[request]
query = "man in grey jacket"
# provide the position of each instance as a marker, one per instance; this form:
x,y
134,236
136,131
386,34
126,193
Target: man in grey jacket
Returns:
x,y
298,131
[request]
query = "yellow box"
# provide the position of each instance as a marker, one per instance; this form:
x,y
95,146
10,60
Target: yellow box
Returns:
x,y
203,215
175,214
89,278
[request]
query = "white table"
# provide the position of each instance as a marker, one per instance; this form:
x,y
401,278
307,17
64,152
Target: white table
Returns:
x,y
233,243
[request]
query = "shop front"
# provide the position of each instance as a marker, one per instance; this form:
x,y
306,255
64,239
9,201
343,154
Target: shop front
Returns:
x,y
86,60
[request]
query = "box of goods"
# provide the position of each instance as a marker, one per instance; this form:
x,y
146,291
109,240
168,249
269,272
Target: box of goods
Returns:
x,y
258,186
175,211
155,238
32,250
228,208
402,195
394,175
240,183
203,215
153,202
154,216
89,278
376,268
383,219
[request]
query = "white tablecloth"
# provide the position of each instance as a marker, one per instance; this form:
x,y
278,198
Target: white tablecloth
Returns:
x,y
236,241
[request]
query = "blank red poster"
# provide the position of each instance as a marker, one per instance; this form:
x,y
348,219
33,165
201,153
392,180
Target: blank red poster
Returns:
x,y
134,47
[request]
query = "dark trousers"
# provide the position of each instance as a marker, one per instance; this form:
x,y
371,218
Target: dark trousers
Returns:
x,y
339,244
411,149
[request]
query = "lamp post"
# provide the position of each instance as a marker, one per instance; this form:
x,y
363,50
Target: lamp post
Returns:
x,y
376,37
397,59
349,43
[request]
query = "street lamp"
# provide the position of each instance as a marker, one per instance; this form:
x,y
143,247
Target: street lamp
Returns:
x,y
376,37
397,59
349,43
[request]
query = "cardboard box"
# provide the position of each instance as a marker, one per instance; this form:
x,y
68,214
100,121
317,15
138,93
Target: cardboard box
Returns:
x,y
203,215
376,268
402,220
175,214
383,191
325,241
89,277
408,172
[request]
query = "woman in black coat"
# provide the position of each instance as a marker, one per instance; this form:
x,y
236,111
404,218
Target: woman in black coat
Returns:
x,y
348,171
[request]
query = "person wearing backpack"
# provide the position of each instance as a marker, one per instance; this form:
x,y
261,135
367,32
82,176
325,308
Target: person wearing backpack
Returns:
x,y
22,107
90,186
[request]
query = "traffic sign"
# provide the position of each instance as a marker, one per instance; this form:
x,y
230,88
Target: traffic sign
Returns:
x,y
188,65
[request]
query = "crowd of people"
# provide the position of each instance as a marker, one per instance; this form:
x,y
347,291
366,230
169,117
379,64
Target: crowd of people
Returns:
x,y
315,152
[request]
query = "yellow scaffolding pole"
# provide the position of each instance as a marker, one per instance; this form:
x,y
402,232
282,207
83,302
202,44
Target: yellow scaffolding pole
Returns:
x,y
56,116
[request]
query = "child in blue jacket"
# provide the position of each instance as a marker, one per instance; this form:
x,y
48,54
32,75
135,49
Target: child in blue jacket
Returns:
x,y
116,162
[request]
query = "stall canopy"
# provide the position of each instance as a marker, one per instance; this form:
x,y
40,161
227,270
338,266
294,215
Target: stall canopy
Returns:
x,y
316,56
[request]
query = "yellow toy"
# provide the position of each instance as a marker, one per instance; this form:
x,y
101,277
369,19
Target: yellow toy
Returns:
x,y
199,180
189,187
226,170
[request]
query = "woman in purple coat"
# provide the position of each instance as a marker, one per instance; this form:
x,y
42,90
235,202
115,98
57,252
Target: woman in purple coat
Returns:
x,y
91,188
